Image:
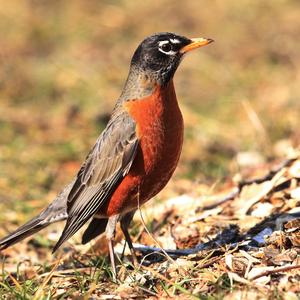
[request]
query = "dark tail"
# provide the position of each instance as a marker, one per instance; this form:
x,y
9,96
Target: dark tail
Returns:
x,y
55,212
96,227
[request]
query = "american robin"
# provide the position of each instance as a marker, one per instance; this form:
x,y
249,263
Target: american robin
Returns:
x,y
133,158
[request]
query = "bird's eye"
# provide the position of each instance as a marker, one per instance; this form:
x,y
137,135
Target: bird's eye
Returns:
x,y
166,48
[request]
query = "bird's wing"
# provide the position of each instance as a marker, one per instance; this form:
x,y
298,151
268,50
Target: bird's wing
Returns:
x,y
107,163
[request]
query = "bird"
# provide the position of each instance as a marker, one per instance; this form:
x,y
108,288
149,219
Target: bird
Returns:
x,y
133,158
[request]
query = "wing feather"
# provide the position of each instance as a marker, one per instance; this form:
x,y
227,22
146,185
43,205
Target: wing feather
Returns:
x,y
105,166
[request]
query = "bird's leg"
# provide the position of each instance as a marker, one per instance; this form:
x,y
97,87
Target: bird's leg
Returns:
x,y
130,245
125,222
110,236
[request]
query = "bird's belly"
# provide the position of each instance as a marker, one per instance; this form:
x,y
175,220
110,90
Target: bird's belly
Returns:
x,y
156,160
160,132
158,157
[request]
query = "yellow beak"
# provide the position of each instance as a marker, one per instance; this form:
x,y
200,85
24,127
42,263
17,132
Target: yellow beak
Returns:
x,y
196,43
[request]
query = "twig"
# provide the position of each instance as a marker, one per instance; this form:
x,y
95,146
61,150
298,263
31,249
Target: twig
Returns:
x,y
147,291
277,270
209,263
67,272
163,219
236,190
230,196
185,252
269,175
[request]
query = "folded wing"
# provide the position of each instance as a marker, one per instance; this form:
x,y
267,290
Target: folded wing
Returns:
x,y
104,168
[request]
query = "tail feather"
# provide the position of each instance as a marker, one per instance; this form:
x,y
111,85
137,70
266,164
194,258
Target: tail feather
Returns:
x,y
22,232
31,227
55,212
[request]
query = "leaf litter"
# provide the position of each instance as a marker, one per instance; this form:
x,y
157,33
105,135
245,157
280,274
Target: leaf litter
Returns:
x,y
247,235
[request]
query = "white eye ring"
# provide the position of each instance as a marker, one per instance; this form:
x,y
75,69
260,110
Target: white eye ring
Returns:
x,y
161,43
175,41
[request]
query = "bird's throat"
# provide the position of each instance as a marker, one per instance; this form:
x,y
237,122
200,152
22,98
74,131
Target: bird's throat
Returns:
x,y
139,84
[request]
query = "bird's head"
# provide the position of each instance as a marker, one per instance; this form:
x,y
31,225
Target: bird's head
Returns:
x,y
159,55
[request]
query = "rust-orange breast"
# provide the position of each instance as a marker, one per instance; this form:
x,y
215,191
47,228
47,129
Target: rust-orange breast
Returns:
x,y
160,131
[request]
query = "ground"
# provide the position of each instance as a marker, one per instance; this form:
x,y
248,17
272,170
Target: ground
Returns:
x,y
63,65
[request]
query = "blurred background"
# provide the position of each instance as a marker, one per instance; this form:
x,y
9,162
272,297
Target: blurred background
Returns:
x,y
64,63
